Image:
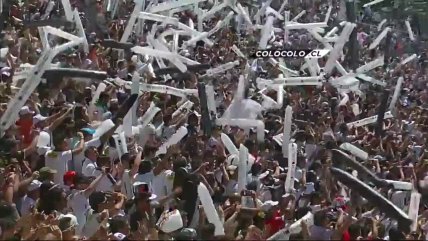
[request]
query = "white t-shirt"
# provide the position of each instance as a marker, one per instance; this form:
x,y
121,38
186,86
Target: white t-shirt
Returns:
x,y
127,185
162,183
79,204
89,169
146,177
78,158
59,162
26,205
92,225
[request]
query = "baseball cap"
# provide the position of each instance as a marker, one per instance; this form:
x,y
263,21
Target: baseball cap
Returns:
x,y
34,185
44,173
38,118
67,222
141,190
186,234
25,110
88,131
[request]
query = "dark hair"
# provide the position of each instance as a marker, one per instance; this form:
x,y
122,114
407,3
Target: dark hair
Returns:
x,y
50,196
117,223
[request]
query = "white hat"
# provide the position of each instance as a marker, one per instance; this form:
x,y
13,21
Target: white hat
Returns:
x,y
266,206
67,221
310,188
119,236
35,184
170,221
25,110
232,168
38,118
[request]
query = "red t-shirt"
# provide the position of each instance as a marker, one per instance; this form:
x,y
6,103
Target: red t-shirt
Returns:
x,y
25,129
276,223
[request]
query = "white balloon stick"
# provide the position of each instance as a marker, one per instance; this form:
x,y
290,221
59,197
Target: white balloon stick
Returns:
x,y
327,16
245,123
288,119
340,68
285,2
195,39
338,47
268,103
292,161
159,18
408,59
242,168
280,96
284,70
175,42
397,91
370,65
222,68
209,209
409,30
296,227
379,38
121,145
101,87
213,11
399,185
149,115
132,19
240,91
278,139
211,100
222,23
191,24
231,148
305,25
379,27
313,66
135,89
61,34
345,99
184,108
331,32
371,80
266,32
174,139
244,13
103,128
286,22
164,89
193,31
270,10
262,11
238,52
275,30
355,151
298,16
172,57
318,37
166,6
368,120
372,3
44,139
415,199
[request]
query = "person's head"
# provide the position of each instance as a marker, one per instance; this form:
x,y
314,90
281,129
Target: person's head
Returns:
x,y
25,113
8,219
158,117
67,225
52,198
354,231
100,201
193,120
69,178
88,133
81,182
145,167
33,190
91,153
186,234
119,224
39,121
321,219
104,98
46,174
143,196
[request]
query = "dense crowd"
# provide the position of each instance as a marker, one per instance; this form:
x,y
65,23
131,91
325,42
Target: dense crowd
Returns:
x,y
62,179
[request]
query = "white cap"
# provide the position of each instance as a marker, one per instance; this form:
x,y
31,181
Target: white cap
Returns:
x,y
34,185
266,206
119,236
309,188
134,59
38,118
25,110
170,221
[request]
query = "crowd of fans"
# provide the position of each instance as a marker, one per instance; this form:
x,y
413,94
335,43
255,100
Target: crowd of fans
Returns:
x,y
78,187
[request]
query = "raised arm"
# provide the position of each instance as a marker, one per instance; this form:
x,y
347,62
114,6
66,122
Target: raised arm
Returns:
x,y
81,145
59,120
92,187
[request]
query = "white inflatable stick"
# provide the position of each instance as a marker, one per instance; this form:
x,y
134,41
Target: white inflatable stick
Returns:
x,y
355,151
372,3
209,209
242,168
211,100
415,199
379,27
379,38
287,130
103,128
174,139
131,21
149,115
121,146
292,162
298,16
408,59
397,91
184,108
245,123
370,65
222,68
166,6
338,47
238,52
296,227
399,185
266,32
368,120
262,11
